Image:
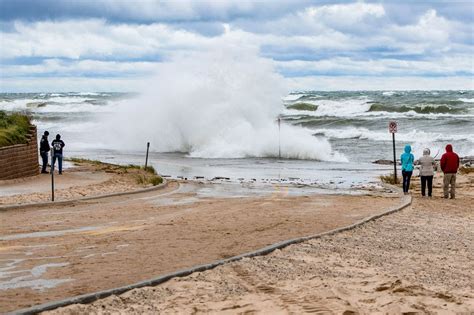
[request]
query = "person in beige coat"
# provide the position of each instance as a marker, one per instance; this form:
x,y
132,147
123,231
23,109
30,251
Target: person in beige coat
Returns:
x,y
427,166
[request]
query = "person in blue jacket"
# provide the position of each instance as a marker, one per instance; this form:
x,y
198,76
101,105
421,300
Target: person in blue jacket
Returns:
x,y
407,160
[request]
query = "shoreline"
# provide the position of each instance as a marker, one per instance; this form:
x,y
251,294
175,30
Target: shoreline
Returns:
x,y
214,212
416,260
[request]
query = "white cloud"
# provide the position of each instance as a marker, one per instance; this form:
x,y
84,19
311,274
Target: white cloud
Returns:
x,y
340,39
79,68
85,38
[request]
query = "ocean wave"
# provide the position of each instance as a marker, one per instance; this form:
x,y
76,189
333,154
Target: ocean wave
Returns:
x,y
222,112
377,135
420,109
292,97
466,100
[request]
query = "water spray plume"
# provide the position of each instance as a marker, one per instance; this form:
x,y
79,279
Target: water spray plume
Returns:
x,y
216,105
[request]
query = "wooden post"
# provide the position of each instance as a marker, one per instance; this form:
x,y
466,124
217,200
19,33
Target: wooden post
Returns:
x,y
146,159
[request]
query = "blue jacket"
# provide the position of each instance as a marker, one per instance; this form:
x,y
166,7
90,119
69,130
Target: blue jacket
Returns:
x,y
407,159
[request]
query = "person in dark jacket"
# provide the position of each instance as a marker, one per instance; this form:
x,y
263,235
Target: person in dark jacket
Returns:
x,y
58,146
449,165
44,149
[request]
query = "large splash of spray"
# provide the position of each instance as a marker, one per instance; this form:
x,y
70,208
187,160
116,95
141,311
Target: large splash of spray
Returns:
x,y
216,105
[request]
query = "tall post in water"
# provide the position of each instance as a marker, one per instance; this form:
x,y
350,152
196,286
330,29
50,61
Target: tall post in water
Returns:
x,y
279,138
146,159
52,176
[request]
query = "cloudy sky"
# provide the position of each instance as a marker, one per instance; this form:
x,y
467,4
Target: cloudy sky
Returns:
x,y
112,45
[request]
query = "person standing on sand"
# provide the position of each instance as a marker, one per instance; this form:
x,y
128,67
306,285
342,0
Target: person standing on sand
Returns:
x,y
427,164
449,165
407,159
58,146
44,149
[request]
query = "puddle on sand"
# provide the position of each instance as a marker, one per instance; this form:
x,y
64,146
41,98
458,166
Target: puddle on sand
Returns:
x,y
48,233
28,278
193,192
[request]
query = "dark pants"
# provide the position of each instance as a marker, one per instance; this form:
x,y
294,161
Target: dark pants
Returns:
x,y
60,162
406,180
424,180
44,158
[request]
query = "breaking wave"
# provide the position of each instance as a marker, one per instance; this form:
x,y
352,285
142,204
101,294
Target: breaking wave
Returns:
x,y
215,105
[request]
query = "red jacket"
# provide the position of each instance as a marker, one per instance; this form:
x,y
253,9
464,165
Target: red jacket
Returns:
x,y
449,160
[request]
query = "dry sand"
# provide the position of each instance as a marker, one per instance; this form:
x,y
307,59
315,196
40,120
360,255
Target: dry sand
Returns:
x,y
419,260
84,180
66,250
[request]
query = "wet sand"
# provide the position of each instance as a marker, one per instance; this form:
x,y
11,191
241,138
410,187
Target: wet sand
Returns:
x,y
419,260
63,251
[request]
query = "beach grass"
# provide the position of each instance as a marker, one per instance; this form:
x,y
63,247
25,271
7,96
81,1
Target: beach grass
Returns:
x,y
14,128
144,176
146,179
389,179
149,169
466,170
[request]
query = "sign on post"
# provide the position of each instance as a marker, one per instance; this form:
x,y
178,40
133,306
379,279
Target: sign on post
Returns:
x,y
392,128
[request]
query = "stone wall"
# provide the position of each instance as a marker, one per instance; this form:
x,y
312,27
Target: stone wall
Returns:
x,y
20,160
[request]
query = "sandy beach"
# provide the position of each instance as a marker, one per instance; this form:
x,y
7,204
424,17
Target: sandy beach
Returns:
x,y
83,179
59,251
416,261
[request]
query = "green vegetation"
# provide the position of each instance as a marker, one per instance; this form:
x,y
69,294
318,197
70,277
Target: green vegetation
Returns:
x,y
303,106
388,179
145,179
143,176
81,160
14,128
149,169
466,170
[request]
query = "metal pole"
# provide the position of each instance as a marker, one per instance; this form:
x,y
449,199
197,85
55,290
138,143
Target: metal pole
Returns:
x,y
394,159
52,177
279,138
147,149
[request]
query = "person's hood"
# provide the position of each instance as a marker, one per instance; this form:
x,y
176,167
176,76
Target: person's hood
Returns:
x,y
449,148
426,151
407,148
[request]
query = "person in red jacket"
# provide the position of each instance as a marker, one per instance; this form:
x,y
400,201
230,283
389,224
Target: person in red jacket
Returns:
x,y
449,166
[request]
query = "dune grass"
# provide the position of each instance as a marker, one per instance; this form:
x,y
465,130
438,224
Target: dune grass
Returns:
x,y
388,179
143,176
14,128
466,170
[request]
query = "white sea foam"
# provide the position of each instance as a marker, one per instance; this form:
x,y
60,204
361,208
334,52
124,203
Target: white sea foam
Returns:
x,y
292,97
466,100
413,135
215,105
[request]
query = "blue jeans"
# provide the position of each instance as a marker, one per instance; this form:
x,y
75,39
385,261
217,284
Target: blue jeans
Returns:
x,y
406,180
60,162
44,157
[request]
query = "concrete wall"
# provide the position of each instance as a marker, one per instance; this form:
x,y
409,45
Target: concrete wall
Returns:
x,y
20,160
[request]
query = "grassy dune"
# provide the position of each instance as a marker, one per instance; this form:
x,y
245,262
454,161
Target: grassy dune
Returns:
x,y
14,128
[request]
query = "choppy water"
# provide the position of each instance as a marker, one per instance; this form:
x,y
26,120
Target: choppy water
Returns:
x,y
355,124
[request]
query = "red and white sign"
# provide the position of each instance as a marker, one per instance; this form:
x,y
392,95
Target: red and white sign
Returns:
x,y
392,127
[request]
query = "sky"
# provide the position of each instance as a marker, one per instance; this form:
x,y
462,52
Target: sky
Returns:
x,y
115,45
